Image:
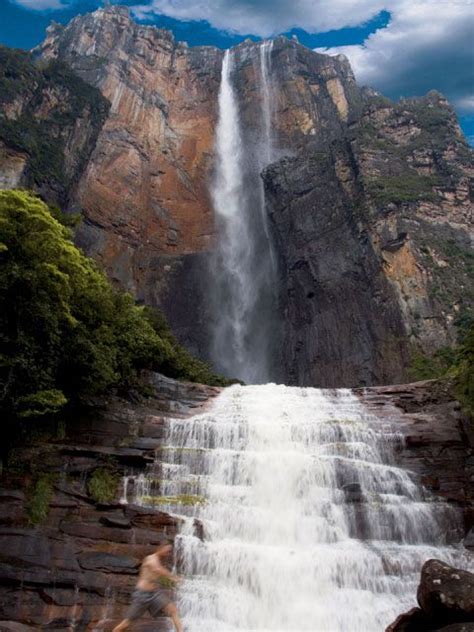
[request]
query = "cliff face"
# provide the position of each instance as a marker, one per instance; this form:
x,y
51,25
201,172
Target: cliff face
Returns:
x,y
49,123
369,201
374,233
144,195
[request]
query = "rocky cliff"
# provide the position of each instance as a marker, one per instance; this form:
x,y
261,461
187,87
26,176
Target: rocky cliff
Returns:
x,y
374,231
370,201
69,548
49,123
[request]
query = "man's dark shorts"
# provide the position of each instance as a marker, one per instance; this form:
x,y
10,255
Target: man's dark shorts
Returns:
x,y
142,600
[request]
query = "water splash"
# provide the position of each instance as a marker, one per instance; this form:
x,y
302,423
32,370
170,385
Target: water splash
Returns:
x,y
243,269
308,524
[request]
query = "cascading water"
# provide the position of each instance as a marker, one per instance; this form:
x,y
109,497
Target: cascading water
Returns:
x,y
296,518
243,269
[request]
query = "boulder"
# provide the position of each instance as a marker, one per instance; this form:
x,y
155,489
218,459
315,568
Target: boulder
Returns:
x,y
415,620
446,594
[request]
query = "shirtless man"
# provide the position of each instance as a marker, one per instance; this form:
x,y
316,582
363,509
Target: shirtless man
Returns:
x,y
149,595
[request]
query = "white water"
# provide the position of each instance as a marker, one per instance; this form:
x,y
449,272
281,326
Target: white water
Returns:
x,y
283,548
243,284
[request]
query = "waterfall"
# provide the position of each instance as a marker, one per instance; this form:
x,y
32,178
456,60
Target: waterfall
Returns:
x,y
243,284
295,516
267,150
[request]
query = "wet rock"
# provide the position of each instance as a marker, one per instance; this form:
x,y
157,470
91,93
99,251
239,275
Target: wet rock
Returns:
x,y
469,539
415,620
353,493
108,563
116,520
13,626
446,593
85,552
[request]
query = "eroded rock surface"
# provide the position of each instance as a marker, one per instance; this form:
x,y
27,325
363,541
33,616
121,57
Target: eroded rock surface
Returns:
x,y
79,566
49,123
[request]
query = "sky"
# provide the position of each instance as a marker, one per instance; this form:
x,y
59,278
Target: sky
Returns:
x,y
402,48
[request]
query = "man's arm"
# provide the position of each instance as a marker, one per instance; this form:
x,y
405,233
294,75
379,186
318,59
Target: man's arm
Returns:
x,y
164,572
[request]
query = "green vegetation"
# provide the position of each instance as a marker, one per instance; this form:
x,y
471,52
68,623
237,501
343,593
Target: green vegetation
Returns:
x,y
410,187
428,114
66,334
455,363
453,251
102,485
430,367
181,364
464,372
42,137
39,498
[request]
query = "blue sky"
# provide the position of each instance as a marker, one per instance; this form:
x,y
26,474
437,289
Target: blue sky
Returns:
x,y
400,47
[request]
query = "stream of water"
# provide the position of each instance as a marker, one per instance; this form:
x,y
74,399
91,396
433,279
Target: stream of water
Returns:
x,y
296,518
242,287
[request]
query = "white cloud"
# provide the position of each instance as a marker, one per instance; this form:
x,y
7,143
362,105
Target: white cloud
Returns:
x,y
267,17
427,44
465,104
40,5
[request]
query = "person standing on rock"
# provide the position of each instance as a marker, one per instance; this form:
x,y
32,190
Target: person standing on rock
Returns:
x,y
149,594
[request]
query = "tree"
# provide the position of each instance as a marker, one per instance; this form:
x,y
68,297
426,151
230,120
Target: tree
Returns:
x,y
65,332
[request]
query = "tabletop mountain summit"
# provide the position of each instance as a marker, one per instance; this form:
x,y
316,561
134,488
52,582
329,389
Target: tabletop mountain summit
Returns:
x,y
359,209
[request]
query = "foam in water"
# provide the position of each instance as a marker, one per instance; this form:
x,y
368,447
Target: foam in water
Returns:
x,y
286,545
242,288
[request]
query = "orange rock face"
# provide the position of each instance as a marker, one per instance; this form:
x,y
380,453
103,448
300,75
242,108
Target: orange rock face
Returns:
x,y
146,181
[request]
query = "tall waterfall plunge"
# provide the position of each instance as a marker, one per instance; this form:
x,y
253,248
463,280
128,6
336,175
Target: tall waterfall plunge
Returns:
x,y
243,268
295,517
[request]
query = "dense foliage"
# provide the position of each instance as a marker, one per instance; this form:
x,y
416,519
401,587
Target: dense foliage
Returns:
x,y
456,363
464,372
65,333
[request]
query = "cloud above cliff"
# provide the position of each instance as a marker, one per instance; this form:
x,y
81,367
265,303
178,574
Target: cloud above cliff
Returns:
x,y
267,17
426,45
40,5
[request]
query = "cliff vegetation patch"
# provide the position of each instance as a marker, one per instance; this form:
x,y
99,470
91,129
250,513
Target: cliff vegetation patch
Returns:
x,y
41,106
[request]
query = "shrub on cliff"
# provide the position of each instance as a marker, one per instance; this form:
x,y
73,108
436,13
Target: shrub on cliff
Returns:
x,y
182,364
464,371
65,332
455,363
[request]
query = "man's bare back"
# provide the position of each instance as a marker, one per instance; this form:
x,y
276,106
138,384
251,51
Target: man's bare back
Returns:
x,y
149,594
